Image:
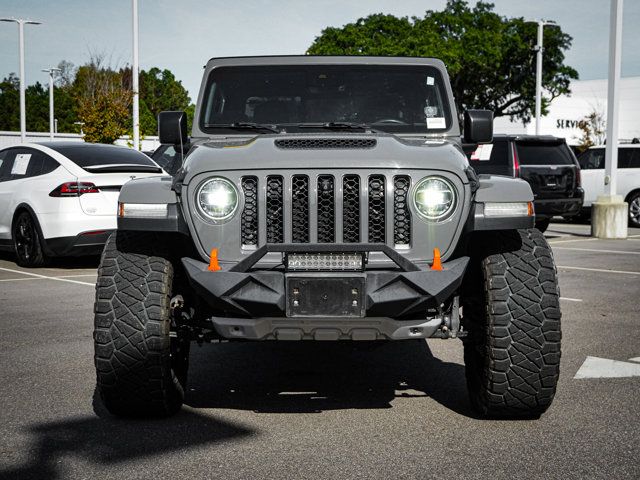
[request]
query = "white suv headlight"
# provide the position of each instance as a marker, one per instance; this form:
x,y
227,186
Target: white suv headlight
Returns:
x,y
434,198
217,198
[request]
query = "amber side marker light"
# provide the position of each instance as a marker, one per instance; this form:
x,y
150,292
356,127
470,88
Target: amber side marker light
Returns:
x,y
437,263
214,266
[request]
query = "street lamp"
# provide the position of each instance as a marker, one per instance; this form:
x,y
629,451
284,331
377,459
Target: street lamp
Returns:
x,y
134,76
51,72
23,118
539,49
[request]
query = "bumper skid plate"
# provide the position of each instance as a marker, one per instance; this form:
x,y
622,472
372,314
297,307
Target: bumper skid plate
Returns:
x,y
391,294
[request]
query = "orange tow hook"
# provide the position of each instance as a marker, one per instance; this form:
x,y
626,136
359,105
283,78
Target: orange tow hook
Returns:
x,y
214,266
437,264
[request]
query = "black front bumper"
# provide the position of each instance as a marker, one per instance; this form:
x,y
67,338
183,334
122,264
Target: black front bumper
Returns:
x,y
403,293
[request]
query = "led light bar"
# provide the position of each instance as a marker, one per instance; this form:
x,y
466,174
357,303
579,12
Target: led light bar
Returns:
x,y
142,210
508,209
324,261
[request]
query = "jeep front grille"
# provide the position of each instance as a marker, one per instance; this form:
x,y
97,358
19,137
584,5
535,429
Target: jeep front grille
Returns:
x,y
326,208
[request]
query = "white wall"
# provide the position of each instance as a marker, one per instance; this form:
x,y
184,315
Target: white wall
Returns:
x,y
567,110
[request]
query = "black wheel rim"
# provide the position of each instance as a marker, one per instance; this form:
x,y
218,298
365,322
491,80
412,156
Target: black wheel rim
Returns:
x,y
25,238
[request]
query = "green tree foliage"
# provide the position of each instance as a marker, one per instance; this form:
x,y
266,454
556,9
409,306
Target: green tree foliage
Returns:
x,y
97,94
10,103
159,91
103,101
490,58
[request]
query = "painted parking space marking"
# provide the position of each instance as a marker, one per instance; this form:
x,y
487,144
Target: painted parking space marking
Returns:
x,y
36,275
551,242
636,359
596,367
566,267
597,250
569,299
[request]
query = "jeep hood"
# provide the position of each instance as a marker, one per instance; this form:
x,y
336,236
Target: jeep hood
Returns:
x,y
300,152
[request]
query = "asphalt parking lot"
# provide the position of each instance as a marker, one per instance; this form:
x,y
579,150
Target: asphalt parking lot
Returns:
x,y
324,410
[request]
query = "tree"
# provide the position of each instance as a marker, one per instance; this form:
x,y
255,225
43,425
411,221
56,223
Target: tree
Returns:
x,y
103,101
593,127
10,103
159,91
490,58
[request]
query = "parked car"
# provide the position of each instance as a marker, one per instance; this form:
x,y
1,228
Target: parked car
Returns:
x,y
61,198
546,162
628,183
326,198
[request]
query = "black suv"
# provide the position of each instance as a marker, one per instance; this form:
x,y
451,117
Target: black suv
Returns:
x,y
545,162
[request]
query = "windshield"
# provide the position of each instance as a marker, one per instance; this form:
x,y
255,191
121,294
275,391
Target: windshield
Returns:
x,y
393,98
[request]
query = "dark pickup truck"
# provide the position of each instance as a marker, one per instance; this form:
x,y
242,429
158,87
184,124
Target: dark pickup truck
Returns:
x,y
545,162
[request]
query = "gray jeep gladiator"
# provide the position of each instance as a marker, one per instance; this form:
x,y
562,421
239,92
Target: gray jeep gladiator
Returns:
x,y
326,198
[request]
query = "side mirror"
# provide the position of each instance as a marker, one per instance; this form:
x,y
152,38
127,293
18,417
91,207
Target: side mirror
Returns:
x,y
172,128
478,126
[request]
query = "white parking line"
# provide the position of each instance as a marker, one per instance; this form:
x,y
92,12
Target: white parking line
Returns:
x,y
46,277
575,240
569,299
598,270
596,250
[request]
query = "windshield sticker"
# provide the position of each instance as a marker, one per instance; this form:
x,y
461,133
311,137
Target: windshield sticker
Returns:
x,y
436,122
430,112
430,80
483,152
20,164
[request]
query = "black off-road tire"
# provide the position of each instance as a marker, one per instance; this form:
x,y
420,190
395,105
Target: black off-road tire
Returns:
x,y
27,242
136,372
511,308
543,224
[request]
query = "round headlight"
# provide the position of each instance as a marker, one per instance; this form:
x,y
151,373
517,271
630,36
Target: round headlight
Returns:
x,y
217,198
434,198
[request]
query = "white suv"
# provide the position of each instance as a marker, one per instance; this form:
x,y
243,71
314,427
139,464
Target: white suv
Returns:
x,y
592,166
61,198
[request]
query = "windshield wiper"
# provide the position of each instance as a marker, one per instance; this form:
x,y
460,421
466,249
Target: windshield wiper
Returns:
x,y
244,126
340,126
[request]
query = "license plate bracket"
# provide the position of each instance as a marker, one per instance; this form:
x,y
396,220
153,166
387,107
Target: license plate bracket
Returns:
x,y
325,295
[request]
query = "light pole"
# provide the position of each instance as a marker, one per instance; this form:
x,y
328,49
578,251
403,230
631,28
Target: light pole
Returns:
x,y
609,213
539,50
134,75
51,72
23,116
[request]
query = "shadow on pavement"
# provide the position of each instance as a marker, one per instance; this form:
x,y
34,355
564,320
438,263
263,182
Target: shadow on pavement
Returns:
x,y
308,377
108,440
70,263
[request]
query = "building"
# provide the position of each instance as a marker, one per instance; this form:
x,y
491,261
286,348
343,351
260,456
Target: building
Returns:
x,y
586,97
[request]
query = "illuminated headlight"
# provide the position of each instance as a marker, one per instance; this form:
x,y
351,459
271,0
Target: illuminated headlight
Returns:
x,y
508,209
217,198
142,210
324,261
434,198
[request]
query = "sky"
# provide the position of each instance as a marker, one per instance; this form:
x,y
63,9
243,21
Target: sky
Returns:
x,y
182,35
